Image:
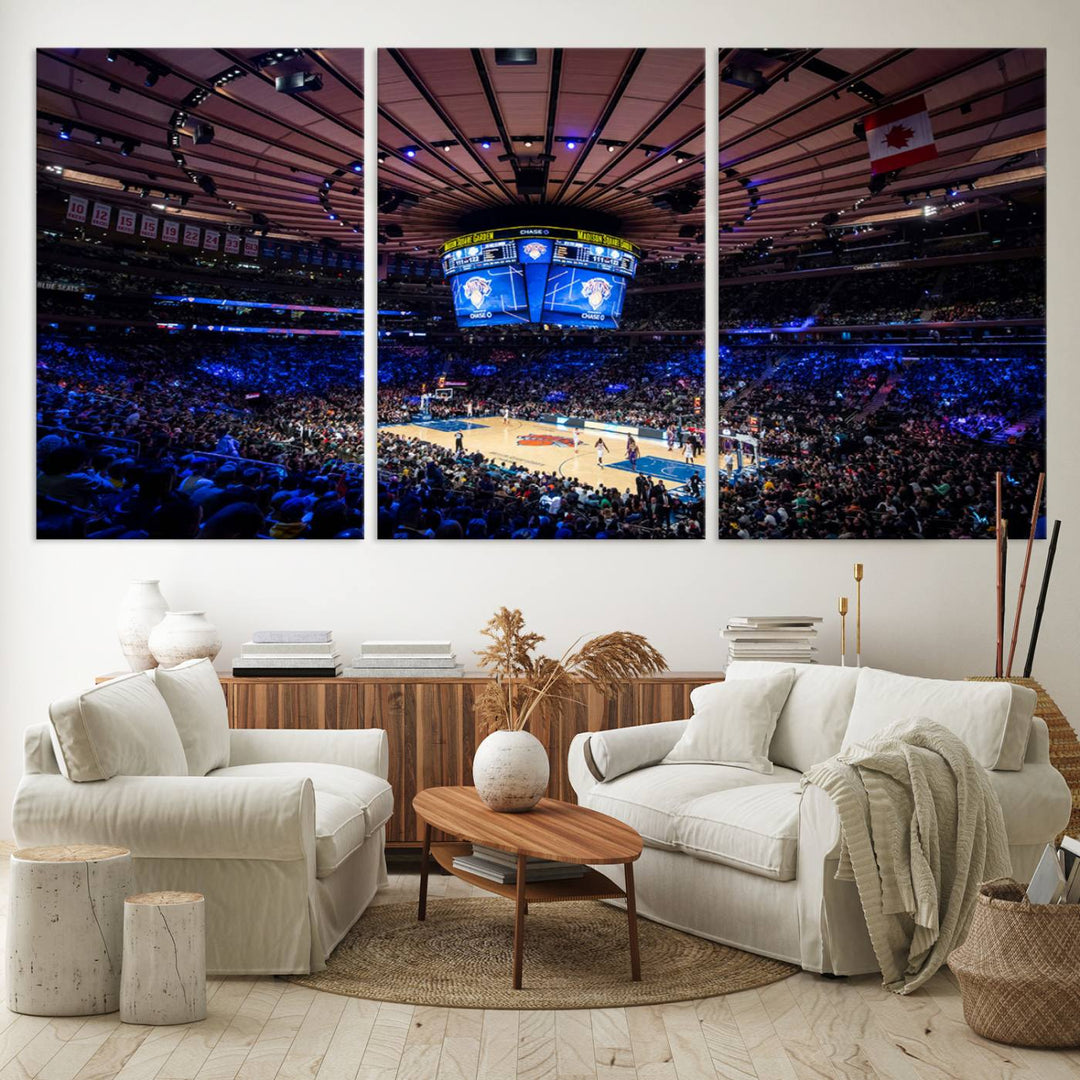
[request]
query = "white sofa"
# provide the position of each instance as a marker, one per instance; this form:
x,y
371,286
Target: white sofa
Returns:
x,y
282,831
742,857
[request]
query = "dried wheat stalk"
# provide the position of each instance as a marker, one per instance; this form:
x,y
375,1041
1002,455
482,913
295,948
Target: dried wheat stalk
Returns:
x,y
527,686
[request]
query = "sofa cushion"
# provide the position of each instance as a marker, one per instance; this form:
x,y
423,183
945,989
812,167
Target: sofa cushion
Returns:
x,y
611,753
733,722
654,800
992,719
366,792
340,828
811,725
119,728
751,828
193,693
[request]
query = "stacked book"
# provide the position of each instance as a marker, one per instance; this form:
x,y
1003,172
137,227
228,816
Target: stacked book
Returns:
x,y
501,866
289,653
1057,877
787,639
405,660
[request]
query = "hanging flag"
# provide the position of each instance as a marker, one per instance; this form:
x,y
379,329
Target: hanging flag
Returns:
x,y
900,135
251,246
232,243
102,215
170,231
77,207
125,221
191,236
211,240
148,228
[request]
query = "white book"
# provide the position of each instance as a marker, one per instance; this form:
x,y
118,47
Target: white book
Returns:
x,y
285,662
1047,885
262,637
288,648
774,620
405,648
772,633
404,661
455,672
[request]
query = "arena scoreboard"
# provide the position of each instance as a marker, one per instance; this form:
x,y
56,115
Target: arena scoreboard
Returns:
x,y
553,276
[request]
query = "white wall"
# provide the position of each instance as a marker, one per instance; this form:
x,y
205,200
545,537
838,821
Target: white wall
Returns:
x,y
928,606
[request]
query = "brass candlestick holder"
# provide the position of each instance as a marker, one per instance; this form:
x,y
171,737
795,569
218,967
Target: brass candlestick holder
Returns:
x,y
842,607
858,613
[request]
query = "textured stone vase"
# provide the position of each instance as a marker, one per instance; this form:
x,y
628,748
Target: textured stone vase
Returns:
x,y
143,607
184,635
510,771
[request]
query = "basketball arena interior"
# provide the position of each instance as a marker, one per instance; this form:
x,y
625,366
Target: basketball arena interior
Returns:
x,y
541,241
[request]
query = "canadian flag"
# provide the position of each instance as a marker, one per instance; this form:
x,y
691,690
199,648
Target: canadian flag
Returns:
x,y
899,136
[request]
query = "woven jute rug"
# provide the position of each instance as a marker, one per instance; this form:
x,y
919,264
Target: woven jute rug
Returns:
x,y
576,957
1064,745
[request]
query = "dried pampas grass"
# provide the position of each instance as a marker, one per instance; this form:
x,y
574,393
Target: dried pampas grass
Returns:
x,y
527,685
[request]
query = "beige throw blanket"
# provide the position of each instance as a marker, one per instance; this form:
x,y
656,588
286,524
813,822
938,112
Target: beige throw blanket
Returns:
x,y
921,829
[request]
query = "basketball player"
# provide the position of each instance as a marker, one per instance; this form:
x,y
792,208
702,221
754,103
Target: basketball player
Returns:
x,y
688,451
601,450
468,408
577,439
729,466
632,452
459,443
506,414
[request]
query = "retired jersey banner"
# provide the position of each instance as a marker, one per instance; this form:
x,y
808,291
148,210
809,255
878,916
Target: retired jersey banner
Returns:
x,y
77,208
211,240
102,215
251,246
170,231
900,135
125,221
148,228
232,243
191,236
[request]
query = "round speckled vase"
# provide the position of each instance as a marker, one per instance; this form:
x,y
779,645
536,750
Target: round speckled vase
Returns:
x,y
510,771
184,635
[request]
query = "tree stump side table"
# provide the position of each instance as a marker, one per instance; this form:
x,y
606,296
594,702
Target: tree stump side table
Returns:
x,y
164,979
65,929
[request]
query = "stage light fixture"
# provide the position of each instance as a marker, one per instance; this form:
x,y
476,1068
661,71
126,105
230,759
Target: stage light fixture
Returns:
x,y
356,166
381,158
485,145
611,148
111,56
151,79
299,82
571,145
127,147
411,151
514,57
528,143
202,134
65,131
98,140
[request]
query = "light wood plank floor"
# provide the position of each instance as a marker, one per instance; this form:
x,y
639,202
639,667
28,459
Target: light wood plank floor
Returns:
x,y
805,1028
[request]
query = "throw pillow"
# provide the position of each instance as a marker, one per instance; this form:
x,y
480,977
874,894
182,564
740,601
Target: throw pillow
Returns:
x,y
733,722
194,696
120,728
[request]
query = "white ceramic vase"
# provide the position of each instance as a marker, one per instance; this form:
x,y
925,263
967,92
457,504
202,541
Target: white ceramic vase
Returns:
x,y
184,635
510,771
143,607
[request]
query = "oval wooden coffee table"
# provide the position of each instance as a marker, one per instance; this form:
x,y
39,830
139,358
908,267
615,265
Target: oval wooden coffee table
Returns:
x,y
553,830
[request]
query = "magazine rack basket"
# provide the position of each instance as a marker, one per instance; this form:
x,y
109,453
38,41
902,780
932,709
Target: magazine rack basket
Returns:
x,y
1019,969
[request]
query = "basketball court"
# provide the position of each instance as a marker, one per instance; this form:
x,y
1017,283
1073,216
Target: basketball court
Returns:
x,y
549,447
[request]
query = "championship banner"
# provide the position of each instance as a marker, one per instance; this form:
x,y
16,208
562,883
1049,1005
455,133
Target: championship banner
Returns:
x,y
331,259
211,240
232,243
102,215
191,236
285,253
251,246
77,208
148,228
899,136
170,231
302,255
125,221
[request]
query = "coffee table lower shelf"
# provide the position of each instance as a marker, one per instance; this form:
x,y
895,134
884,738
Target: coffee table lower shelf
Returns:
x,y
591,886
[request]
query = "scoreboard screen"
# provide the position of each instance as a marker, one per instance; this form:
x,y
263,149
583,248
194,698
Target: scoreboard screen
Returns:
x,y
560,277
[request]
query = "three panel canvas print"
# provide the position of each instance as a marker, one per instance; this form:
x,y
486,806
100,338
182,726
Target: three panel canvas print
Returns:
x,y
541,236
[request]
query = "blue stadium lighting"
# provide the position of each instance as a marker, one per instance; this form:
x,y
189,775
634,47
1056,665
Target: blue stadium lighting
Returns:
x,y
357,166
332,217
65,132
571,145
485,145
410,153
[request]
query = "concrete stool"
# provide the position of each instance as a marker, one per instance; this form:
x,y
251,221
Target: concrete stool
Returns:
x,y
65,928
164,979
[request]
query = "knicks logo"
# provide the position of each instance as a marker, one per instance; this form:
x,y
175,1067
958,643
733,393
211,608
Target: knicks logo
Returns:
x,y
477,290
596,290
533,250
537,439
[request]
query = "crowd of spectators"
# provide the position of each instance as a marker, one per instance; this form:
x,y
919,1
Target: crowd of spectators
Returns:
x,y
882,446
144,434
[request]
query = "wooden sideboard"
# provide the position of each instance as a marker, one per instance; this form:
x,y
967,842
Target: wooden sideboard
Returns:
x,y
431,725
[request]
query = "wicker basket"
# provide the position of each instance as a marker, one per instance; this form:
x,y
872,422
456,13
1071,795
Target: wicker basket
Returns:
x,y
1019,969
